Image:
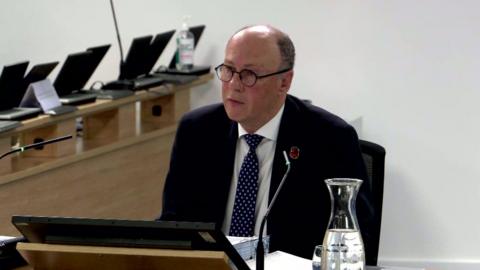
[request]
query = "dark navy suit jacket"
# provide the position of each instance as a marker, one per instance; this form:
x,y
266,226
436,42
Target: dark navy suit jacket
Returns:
x,y
202,161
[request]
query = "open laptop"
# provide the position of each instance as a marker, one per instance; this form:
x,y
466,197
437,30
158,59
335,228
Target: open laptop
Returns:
x,y
11,87
142,56
75,73
98,54
127,233
172,75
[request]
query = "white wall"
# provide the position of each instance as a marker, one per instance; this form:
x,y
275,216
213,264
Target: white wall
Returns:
x,y
405,68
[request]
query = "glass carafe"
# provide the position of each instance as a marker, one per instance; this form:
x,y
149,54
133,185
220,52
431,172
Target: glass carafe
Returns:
x,y
343,244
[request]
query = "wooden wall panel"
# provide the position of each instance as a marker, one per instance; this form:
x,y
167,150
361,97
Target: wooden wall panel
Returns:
x,y
126,183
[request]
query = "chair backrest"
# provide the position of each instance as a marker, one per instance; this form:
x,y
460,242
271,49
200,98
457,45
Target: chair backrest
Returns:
x,y
374,157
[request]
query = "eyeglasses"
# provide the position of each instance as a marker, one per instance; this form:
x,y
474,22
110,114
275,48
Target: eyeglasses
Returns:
x,y
247,77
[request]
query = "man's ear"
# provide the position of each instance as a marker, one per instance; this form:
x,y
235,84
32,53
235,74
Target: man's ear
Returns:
x,y
286,81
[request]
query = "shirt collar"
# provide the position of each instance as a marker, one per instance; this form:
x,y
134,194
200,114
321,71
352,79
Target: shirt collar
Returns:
x,y
269,130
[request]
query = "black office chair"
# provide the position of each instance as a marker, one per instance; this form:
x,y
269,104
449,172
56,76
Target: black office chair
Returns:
x,y
374,157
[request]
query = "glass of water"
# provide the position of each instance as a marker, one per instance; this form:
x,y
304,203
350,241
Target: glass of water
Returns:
x,y
317,258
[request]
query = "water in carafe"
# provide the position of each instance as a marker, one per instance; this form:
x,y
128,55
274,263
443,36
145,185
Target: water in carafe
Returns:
x,y
343,250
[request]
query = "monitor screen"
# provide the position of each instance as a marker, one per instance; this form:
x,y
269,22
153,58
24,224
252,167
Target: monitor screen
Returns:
x,y
127,233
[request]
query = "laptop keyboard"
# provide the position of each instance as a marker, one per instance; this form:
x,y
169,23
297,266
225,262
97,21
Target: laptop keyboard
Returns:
x,y
113,94
78,98
7,125
146,82
176,78
19,113
135,84
78,95
61,110
10,111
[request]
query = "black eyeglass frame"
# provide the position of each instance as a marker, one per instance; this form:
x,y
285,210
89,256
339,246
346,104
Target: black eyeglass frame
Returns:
x,y
257,77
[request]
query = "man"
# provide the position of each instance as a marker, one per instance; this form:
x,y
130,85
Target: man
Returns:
x,y
208,175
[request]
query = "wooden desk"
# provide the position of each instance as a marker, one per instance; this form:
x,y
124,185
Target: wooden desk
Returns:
x,y
118,177
44,256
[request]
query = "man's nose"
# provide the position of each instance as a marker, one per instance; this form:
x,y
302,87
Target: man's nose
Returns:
x,y
236,82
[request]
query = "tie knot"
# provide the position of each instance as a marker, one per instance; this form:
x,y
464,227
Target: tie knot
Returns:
x,y
253,140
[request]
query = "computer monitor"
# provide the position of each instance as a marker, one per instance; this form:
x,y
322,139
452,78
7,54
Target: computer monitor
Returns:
x,y
127,233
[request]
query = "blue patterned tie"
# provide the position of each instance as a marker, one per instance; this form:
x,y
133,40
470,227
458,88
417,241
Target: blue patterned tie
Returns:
x,y
243,216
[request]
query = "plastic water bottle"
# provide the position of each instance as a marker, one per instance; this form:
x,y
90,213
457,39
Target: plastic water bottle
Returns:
x,y
185,47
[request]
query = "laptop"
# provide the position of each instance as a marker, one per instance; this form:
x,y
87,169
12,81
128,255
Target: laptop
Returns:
x,y
11,86
127,233
75,73
98,54
142,56
6,125
172,75
132,67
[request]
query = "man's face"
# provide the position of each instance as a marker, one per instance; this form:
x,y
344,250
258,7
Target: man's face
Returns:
x,y
253,106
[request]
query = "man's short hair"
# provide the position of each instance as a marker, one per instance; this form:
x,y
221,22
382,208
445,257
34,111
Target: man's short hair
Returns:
x,y
287,51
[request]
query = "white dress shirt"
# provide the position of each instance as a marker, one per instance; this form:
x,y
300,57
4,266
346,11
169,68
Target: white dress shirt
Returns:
x,y
265,152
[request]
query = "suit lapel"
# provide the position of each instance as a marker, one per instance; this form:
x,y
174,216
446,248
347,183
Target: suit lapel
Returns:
x,y
232,145
287,138
226,161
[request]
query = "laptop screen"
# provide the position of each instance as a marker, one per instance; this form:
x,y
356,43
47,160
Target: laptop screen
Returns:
x,y
197,33
11,82
74,73
157,46
78,68
134,66
98,53
39,72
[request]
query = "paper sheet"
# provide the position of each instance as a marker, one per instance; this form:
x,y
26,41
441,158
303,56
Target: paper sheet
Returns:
x,y
41,92
280,260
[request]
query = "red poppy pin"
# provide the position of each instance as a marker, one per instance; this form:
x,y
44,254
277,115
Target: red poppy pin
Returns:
x,y
294,152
